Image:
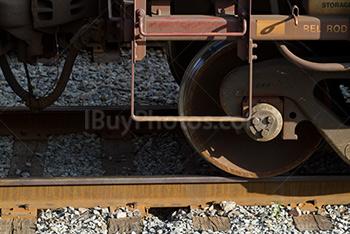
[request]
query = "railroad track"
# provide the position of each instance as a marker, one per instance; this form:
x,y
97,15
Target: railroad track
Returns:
x,y
22,198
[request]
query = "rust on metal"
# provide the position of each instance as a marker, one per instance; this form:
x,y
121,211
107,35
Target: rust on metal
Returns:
x,y
138,43
170,191
292,116
191,27
18,211
234,153
294,83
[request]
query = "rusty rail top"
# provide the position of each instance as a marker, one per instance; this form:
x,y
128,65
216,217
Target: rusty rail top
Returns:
x,y
140,180
160,191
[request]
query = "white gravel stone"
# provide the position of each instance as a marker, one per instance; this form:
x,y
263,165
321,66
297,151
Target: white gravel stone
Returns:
x,y
227,205
70,220
120,215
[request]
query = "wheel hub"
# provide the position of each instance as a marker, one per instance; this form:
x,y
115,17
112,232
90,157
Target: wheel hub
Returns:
x,y
266,123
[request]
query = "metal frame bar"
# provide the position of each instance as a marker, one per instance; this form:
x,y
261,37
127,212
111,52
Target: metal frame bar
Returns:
x,y
141,14
326,67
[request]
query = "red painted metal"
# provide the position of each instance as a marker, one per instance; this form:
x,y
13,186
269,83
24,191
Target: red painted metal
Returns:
x,y
189,27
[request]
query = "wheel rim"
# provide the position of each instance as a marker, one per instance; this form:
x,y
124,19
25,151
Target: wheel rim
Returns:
x,y
234,153
180,54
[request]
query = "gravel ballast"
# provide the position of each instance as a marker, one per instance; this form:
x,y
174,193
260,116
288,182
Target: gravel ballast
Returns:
x,y
81,154
73,155
275,218
158,154
6,150
104,84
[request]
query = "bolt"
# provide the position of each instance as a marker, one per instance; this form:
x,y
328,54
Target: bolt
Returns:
x,y
244,13
270,120
265,133
140,13
255,121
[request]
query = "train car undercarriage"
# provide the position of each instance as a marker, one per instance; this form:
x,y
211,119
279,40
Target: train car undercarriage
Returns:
x,y
255,101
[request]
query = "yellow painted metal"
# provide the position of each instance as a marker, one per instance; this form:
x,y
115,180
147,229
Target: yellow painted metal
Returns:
x,y
270,28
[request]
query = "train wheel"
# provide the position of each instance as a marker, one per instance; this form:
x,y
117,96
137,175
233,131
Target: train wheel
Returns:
x,y
220,143
180,54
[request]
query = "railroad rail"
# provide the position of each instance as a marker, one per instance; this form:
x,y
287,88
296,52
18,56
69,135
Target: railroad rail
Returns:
x,y
22,197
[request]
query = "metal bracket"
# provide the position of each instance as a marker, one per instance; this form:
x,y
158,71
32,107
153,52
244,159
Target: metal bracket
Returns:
x,y
160,7
22,211
313,66
191,118
224,7
110,13
295,14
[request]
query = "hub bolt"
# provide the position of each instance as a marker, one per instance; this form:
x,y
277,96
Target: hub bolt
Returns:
x,y
270,120
265,132
256,121
266,122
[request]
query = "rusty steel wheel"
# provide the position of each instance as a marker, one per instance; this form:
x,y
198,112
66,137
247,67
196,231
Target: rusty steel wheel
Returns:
x,y
219,143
